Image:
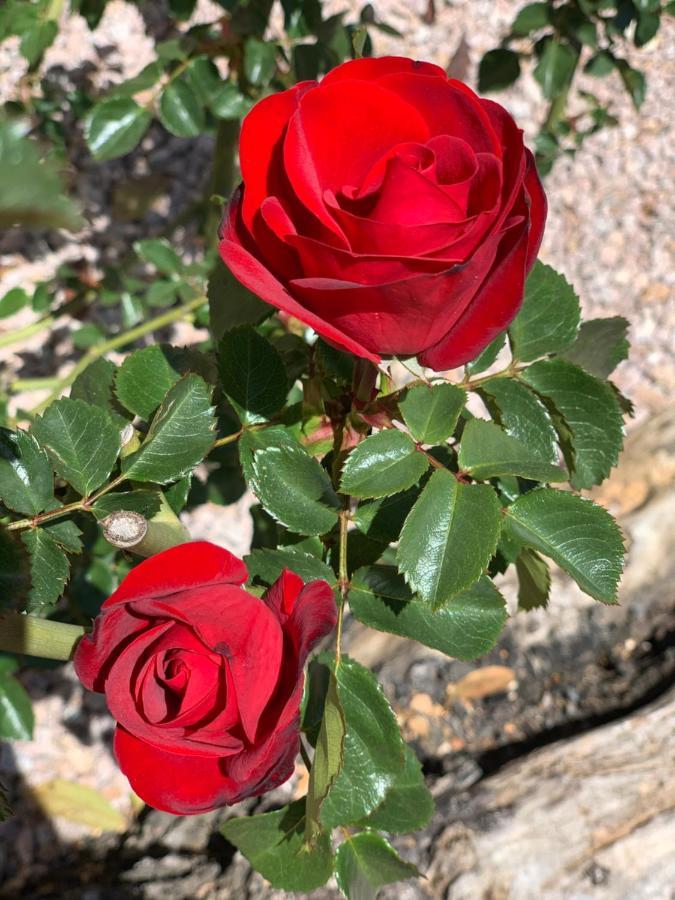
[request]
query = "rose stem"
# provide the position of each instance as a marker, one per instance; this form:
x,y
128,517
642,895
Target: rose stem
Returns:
x,y
30,636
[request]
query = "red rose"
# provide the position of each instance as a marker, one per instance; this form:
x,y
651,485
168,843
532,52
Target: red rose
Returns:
x,y
204,679
389,208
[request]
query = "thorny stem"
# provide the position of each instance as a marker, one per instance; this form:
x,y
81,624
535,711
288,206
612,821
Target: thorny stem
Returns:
x,y
114,343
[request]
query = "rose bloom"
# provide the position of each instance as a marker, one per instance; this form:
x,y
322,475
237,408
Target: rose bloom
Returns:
x,y
389,208
203,678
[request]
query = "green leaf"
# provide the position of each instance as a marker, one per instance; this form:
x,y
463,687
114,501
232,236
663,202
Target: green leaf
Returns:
x,y
647,27
14,570
464,629
95,385
600,64
251,441
448,537
179,437
159,253
31,192
295,489
522,415
582,538
146,78
365,862
267,565
385,463
534,580
274,844
64,531
382,519
144,379
162,293
591,413
327,761
81,440
114,127
408,804
223,98
485,359
486,451
252,374
12,302
49,569
230,303
259,61
548,320
600,345
373,748
180,110
555,68
16,710
431,412
36,40
498,70
531,17
26,480
142,501
634,82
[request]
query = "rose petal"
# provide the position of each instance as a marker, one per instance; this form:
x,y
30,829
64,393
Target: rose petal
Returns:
x,y
185,566
538,210
95,652
491,311
281,596
371,68
172,782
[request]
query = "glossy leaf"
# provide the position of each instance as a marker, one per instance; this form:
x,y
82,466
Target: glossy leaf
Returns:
x,y
179,437
448,537
267,565
431,412
488,356
230,303
373,749
581,537
382,519
49,569
251,441
180,110
385,463
274,843
81,441
95,385
555,68
295,489
600,345
114,127
522,415
365,862
252,374
486,451
548,320
26,479
534,580
465,628
142,501
328,759
591,413
498,70
408,804
16,711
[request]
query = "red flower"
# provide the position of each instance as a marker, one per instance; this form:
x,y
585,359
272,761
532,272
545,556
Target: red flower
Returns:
x,y
389,208
204,679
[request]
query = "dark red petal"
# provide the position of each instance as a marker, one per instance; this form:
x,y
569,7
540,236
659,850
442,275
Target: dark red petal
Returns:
x,y
538,209
401,318
263,767
196,563
513,154
372,68
96,652
261,132
253,274
240,627
407,197
281,596
491,311
314,615
171,782
447,109
338,133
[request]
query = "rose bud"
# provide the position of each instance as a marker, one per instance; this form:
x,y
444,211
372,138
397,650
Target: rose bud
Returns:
x,y
389,208
204,679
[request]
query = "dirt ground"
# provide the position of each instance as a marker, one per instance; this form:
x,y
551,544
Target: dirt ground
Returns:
x,y
557,781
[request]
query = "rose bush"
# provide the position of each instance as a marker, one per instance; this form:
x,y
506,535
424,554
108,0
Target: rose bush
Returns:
x,y
389,208
204,679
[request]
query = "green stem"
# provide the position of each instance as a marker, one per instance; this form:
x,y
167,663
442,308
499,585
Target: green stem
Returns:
x,y
30,636
33,384
22,334
343,577
114,343
84,504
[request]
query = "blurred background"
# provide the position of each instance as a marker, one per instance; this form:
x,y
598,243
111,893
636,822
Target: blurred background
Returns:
x,y
552,761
